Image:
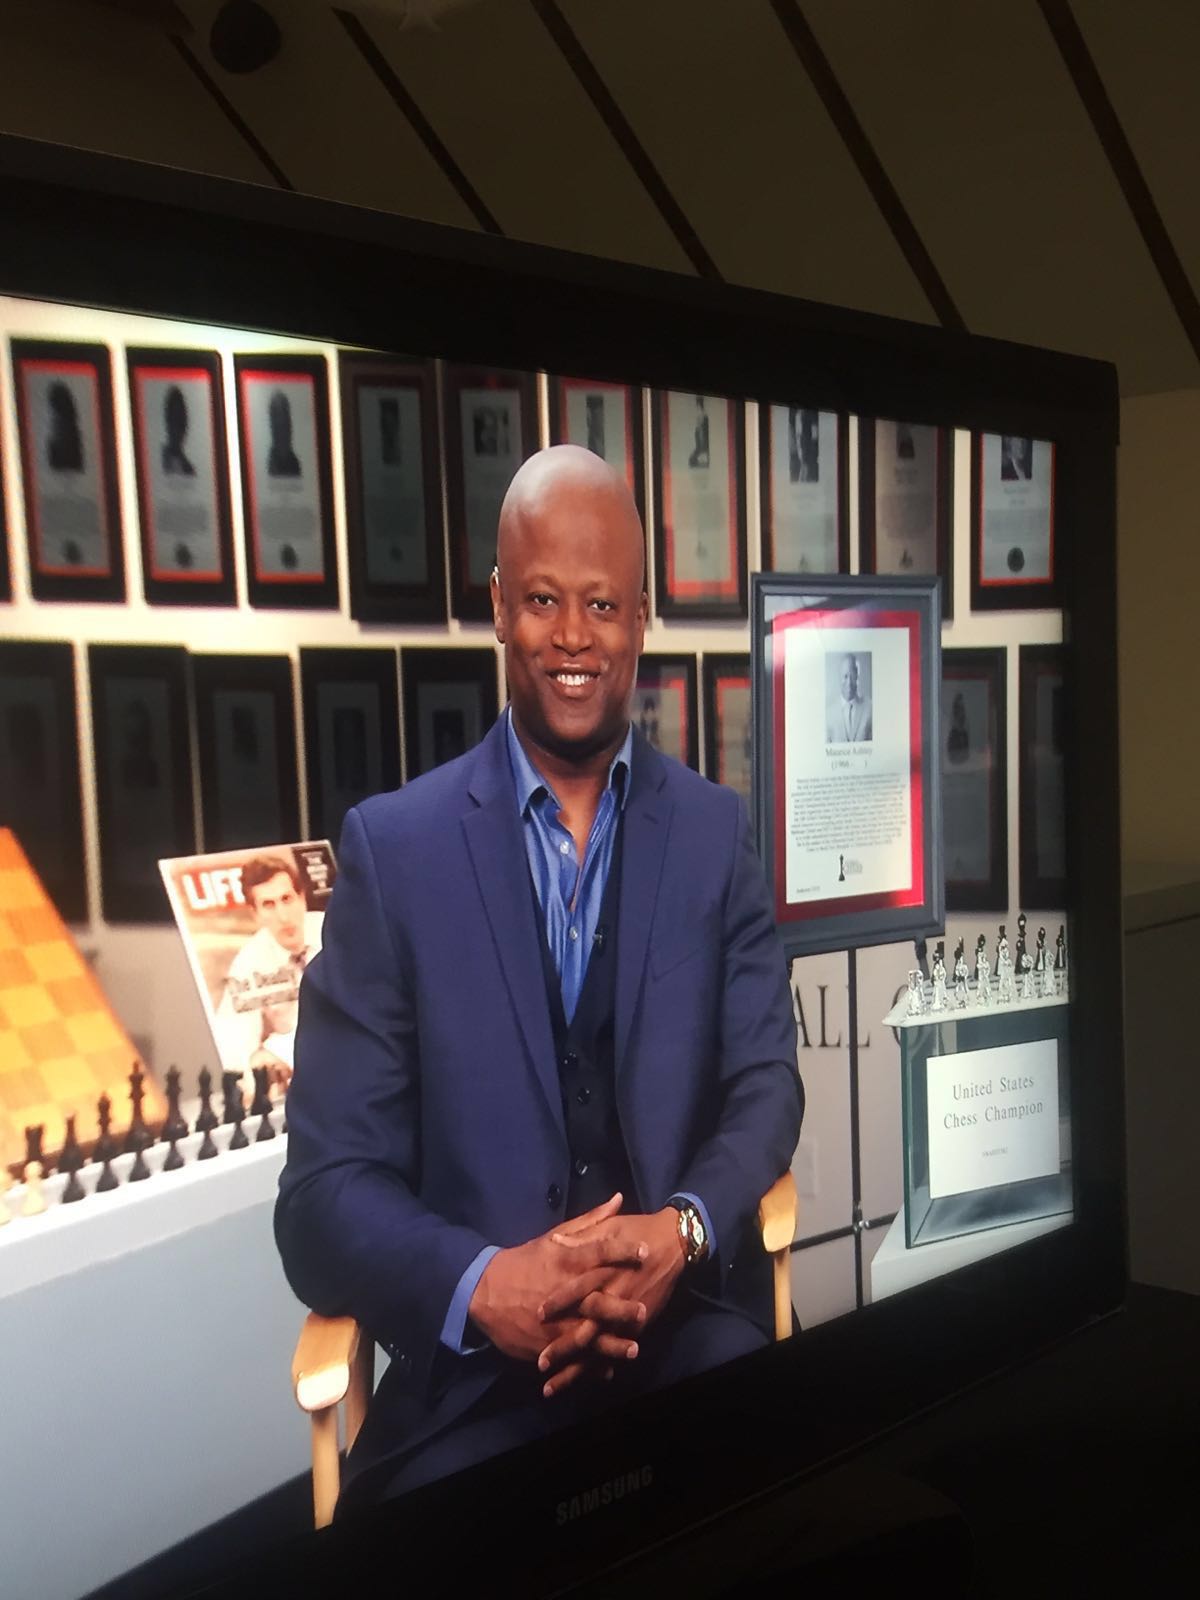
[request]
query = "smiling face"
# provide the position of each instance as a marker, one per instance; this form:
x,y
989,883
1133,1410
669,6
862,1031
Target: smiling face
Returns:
x,y
569,605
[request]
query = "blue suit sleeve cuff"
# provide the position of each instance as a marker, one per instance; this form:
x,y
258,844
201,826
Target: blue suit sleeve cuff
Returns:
x,y
454,1329
704,1218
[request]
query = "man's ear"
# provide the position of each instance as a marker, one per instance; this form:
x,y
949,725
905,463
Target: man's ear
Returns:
x,y
497,605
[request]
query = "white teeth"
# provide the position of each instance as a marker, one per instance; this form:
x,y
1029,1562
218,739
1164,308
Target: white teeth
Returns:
x,y
573,680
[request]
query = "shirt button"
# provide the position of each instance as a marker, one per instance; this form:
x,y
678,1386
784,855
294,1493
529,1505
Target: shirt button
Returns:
x,y
574,933
564,847
554,1197
584,1095
581,1167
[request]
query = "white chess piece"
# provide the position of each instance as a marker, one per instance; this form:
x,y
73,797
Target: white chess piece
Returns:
x,y
960,981
940,999
916,993
34,1201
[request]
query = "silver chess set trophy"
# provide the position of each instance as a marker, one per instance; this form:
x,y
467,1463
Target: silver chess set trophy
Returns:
x,y
1016,976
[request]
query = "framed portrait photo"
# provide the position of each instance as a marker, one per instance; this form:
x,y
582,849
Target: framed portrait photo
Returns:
x,y
804,476
1042,717
606,418
847,781
699,506
451,700
490,427
974,731
663,708
351,703
246,736
68,465
729,723
905,476
393,489
143,773
182,463
1013,563
283,443
40,797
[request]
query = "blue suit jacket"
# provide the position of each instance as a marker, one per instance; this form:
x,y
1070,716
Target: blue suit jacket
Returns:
x,y
425,1117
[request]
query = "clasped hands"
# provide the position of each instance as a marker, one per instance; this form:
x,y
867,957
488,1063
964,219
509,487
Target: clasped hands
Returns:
x,y
574,1300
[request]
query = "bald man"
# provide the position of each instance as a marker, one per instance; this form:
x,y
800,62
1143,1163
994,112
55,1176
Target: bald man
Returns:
x,y
546,1060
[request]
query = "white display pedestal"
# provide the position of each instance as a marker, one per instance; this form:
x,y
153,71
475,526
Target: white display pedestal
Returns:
x,y
895,1267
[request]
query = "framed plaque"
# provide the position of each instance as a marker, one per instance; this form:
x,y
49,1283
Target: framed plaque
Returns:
x,y
905,484
605,418
805,504
143,773
351,731
847,781
393,489
728,723
40,796
663,707
699,506
5,558
246,736
283,440
1012,523
450,702
490,428
975,779
1042,717
182,464
68,464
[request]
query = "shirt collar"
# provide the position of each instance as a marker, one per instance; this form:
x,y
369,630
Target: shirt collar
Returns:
x,y
529,781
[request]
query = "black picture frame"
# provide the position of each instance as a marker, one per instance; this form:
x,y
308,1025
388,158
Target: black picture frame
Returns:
x,y
567,427
1012,590
6,588
772,448
406,581
473,516
76,550
464,681
246,738
974,728
297,569
1043,714
199,569
678,598
870,552
41,799
727,674
351,709
664,679
144,780
826,617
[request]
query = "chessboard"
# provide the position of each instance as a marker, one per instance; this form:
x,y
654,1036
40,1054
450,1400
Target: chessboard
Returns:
x,y
61,1045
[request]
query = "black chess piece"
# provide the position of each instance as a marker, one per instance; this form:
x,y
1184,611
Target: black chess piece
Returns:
x,y
106,1147
174,1128
70,1162
1060,950
923,958
207,1120
260,1106
33,1146
1003,934
235,1110
139,1138
980,947
1019,954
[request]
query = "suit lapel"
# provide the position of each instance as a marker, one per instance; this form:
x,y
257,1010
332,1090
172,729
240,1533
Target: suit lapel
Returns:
x,y
497,850
643,852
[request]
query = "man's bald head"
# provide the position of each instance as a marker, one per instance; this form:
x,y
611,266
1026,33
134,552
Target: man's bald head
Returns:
x,y
552,479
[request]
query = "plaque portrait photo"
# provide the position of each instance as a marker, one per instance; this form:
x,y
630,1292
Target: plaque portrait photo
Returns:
x,y
605,418
450,702
905,480
182,464
728,723
975,779
393,489
699,506
68,466
246,734
283,437
663,708
847,785
1043,716
351,706
805,521
1012,523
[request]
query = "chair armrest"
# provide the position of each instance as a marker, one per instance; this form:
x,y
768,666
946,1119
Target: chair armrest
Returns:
x,y
777,1214
321,1365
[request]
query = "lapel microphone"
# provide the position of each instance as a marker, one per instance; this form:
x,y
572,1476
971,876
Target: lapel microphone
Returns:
x,y
599,938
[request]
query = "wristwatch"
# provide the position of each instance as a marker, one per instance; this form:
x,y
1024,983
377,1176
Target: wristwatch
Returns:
x,y
693,1236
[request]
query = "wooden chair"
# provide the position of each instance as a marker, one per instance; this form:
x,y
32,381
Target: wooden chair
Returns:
x,y
335,1361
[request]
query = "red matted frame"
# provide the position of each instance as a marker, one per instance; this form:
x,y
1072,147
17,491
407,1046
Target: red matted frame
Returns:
x,y
691,600
720,673
51,577
986,667
631,405
1012,593
287,590
943,487
767,421
179,585
676,676
780,603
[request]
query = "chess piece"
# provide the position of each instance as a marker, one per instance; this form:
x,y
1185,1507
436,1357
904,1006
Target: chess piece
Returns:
x,y
1060,960
35,1201
1001,939
983,974
33,1146
5,1186
260,1106
106,1147
960,976
70,1162
174,1128
1005,991
235,1109
916,993
940,998
1026,989
139,1136
207,1120
1019,952
1039,965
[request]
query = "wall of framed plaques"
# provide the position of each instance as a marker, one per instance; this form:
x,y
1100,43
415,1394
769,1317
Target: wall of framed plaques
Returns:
x,y
289,544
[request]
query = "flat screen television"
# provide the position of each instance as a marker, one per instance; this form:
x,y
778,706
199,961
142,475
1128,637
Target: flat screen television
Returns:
x,y
881,566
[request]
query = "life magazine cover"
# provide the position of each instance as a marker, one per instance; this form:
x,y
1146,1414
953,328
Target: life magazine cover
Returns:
x,y
251,922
